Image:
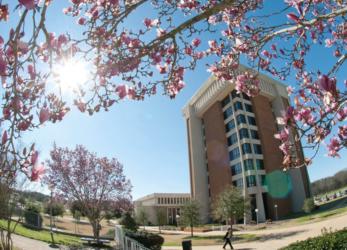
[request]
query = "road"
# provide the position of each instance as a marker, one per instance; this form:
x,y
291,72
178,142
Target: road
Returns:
x,y
280,237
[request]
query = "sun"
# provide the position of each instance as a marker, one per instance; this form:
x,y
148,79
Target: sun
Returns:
x,y
71,74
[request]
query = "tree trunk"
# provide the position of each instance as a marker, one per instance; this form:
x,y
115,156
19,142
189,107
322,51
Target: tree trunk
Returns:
x,y
191,230
96,230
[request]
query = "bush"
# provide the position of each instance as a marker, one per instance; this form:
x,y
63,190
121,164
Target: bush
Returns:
x,y
129,222
308,206
149,240
58,209
328,241
32,216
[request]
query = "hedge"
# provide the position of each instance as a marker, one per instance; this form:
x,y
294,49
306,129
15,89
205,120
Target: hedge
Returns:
x,y
328,241
149,240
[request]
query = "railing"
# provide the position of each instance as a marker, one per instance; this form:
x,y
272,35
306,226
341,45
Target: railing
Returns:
x,y
125,243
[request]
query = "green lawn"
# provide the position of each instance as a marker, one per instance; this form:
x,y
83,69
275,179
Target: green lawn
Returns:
x,y
44,235
326,210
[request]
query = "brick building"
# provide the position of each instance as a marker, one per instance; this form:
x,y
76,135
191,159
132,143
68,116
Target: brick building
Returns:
x,y
231,141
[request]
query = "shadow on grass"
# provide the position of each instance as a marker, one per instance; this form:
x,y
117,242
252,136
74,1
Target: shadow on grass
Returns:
x,y
278,236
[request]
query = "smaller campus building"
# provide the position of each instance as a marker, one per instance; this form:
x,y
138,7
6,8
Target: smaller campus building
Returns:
x,y
169,204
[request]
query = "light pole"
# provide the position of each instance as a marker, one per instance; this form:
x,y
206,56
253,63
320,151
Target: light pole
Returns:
x,y
51,217
256,212
177,218
234,217
276,215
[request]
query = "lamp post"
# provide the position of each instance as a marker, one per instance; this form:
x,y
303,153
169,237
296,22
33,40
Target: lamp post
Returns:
x,y
51,216
177,218
256,212
276,215
234,217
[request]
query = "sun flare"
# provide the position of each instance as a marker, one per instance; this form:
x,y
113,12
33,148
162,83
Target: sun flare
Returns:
x,y
71,74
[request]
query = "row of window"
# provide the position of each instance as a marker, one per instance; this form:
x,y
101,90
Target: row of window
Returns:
x,y
173,200
251,181
237,106
248,164
243,134
246,149
240,119
234,95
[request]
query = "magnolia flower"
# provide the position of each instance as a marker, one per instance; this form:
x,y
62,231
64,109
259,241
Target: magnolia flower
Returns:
x,y
4,137
37,172
44,115
29,4
334,146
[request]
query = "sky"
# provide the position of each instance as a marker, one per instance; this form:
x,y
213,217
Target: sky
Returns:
x,y
148,137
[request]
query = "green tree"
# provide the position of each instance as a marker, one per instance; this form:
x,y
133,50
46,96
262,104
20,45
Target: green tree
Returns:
x,y
308,206
142,217
190,215
230,204
58,209
160,214
128,222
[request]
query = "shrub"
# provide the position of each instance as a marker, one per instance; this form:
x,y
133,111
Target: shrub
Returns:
x,y
128,222
57,209
32,216
149,240
308,206
328,241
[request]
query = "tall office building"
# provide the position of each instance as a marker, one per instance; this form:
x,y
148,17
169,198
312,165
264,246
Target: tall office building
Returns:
x,y
231,141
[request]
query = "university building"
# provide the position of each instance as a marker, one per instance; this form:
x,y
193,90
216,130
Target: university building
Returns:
x,y
231,141
170,204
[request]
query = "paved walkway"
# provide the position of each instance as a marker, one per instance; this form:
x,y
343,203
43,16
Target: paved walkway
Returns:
x,y
24,243
281,237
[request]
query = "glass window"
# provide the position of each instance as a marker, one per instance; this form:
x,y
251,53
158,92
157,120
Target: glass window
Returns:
x,y
243,133
234,94
238,183
225,101
263,180
228,112
158,200
257,149
246,148
236,169
240,119
251,182
237,106
259,164
248,164
230,125
248,108
251,120
234,154
232,139
254,134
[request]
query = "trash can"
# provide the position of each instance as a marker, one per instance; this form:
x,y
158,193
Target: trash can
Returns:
x,y
187,245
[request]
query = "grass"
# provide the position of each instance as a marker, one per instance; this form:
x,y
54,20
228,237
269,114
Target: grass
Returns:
x,y
324,211
210,240
44,235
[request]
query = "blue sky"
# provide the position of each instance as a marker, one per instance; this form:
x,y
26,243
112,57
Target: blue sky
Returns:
x,y
148,137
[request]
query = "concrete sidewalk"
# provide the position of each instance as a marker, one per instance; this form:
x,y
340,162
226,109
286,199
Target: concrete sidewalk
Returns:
x,y
281,237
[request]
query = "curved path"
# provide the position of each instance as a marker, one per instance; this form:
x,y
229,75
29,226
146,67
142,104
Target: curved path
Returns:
x,y
276,238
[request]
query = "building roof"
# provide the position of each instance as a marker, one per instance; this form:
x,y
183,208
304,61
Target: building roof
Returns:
x,y
155,195
213,89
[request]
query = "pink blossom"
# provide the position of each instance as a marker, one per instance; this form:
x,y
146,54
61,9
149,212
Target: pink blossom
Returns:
x,y
44,115
247,83
81,21
3,66
29,4
4,137
37,172
34,157
31,71
283,135
290,90
329,42
293,17
327,84
196,42
122,91
150,23
333,147
4,12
